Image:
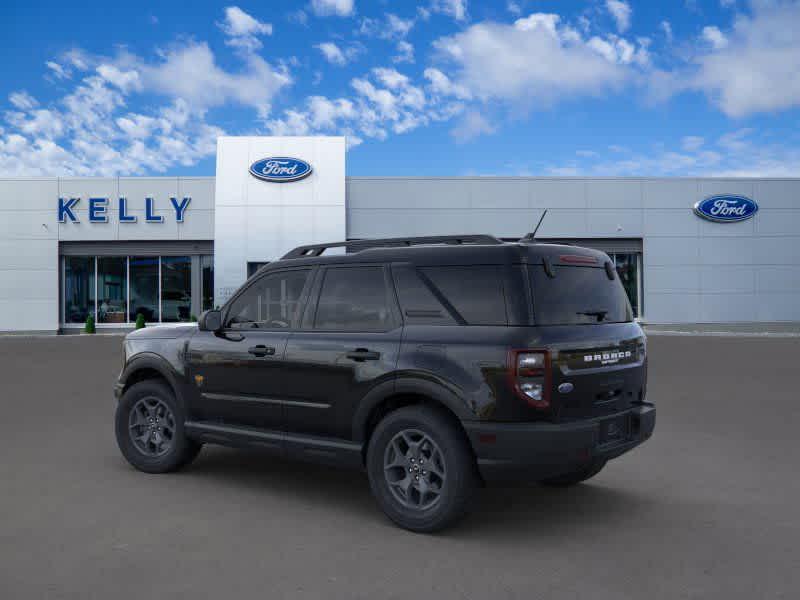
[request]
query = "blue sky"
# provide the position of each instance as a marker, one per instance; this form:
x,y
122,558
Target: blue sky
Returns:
x,y
438,87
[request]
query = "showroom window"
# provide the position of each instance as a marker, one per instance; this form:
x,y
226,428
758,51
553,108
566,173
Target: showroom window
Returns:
x,y
176,289
207,275
79,288
115,290
628,266
144,288
112,289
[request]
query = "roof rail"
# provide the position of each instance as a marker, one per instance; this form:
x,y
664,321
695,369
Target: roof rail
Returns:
x,y
358,245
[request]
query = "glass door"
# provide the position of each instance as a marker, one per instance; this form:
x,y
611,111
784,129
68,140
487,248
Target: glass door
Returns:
x,y
629,271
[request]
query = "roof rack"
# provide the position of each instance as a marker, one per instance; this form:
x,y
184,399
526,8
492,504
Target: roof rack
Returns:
x,y
358,245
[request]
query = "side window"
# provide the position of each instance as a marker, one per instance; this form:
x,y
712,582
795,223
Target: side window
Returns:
x,y
272,302
353,299
475,292
418,303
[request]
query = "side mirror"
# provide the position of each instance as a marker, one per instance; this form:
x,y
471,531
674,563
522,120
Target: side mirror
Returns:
x,y
210,320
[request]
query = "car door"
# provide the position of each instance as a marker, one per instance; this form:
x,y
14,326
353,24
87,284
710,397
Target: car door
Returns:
x,y
238,371
348,343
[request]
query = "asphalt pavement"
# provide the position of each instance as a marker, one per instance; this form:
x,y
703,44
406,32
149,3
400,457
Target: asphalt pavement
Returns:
x,y
708,508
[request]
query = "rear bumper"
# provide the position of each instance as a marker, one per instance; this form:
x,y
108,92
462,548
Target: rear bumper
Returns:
x,y
532,451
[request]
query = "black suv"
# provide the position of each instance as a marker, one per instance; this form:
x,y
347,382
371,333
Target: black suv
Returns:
x,y
435,364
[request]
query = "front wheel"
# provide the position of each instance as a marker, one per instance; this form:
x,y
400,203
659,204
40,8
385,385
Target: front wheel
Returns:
x,y
149,428
421,470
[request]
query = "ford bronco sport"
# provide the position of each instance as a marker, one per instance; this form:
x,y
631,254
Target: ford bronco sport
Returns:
x,y
434,364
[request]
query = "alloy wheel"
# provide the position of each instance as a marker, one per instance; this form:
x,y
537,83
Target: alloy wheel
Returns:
x,y
414,469
152,426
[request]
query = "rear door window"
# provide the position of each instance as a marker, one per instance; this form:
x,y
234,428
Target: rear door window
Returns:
x,y
354,299
578,296
475,292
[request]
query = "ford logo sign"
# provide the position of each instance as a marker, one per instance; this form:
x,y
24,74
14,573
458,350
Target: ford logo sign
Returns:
x,y
726,209
280,169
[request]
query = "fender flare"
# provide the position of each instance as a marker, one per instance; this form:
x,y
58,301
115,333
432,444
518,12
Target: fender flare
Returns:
x,y
149,360
418,385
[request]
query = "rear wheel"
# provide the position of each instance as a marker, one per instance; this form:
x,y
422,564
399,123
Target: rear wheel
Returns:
x,y
149,428
420,469
574,477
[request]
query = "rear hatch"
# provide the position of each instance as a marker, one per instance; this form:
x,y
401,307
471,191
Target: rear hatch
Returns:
x,y
597,352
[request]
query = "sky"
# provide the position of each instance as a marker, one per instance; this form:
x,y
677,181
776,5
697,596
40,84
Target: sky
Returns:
x,y
429,88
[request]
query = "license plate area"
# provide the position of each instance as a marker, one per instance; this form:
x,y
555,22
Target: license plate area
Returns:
x,y
614,430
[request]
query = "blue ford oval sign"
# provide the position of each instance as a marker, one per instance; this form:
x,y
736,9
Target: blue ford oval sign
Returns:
x,y
280,169
726,209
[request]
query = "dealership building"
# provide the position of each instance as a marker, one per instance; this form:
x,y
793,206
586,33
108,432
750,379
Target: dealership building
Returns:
x,y
688,250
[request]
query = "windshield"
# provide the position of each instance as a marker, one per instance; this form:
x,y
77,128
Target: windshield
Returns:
x,y
578,296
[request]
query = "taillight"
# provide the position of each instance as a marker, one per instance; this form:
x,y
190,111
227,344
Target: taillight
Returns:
x,y
529,376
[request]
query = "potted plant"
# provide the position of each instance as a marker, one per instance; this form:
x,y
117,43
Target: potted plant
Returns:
x,y
139,321
89,327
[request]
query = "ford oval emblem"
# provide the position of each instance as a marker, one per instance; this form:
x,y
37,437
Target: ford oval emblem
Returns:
x,y
726,209
280,169
566,387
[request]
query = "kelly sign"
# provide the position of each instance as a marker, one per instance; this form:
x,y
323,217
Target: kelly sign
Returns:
x,y
99,208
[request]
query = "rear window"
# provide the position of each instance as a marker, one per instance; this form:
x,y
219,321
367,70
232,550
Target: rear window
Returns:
x,y
578,296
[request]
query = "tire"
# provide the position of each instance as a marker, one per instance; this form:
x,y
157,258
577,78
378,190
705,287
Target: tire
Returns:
x,y
166,448
574,477
445,487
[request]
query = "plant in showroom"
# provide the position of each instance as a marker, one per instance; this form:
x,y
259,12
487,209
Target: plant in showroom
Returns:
x,y
89,327
140,321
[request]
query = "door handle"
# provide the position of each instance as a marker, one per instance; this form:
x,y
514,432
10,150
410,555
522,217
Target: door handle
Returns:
x,y
361,354
261,350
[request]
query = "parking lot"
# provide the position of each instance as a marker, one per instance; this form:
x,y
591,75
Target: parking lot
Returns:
x,y
707,509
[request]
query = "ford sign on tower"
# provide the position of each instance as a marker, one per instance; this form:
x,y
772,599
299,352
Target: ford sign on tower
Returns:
x,y
726,209
280,169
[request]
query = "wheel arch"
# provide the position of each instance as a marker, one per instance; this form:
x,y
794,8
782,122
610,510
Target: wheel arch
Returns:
x,y
146,367
389,396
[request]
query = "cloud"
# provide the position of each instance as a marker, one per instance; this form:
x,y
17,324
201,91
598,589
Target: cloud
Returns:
x,y
758,68
339,8
385,101
58,71
91,131
621,11
22,100
738,153
715,37
666,27
336,55
453,8
191,72
398,27
298,17
441,84
692,143
243,29
535,61
472,124
405,53
391,27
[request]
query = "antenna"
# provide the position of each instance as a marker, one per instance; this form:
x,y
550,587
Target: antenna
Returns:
x,y
532,235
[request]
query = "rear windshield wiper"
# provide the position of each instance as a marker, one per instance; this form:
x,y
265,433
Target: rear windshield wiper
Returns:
x,y
599,314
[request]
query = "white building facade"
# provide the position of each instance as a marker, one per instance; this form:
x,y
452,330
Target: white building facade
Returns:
x,y
169,248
